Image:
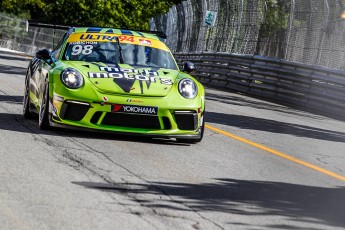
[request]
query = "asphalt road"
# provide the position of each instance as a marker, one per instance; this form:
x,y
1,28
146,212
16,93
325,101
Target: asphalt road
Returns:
x,y
278,176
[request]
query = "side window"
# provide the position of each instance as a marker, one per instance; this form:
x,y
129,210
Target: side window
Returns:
x,y
58,47
57,53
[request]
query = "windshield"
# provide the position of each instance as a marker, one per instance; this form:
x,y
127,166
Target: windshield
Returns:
x,y
109,52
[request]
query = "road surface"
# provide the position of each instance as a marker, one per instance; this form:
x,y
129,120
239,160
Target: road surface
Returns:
x,y
260,166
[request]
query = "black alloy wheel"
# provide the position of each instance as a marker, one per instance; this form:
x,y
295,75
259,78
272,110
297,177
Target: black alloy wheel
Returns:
x,y
43,117
26,99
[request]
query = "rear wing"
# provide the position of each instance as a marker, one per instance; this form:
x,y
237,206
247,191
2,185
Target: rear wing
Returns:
x,y
34,23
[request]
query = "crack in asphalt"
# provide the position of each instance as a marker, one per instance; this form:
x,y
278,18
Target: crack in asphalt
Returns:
x,y
92,150
84,166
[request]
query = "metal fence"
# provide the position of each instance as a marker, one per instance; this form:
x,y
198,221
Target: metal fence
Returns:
x,y
305,31
301,85
15,35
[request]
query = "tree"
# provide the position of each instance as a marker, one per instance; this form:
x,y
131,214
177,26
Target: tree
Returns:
x,y
133,14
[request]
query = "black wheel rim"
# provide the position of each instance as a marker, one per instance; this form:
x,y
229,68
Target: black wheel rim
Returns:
x,y
26,99
43,106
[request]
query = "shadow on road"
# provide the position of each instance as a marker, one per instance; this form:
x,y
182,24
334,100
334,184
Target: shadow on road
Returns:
x,y
298,203
6,69
253,123
10,56
11,99
259,104
16,122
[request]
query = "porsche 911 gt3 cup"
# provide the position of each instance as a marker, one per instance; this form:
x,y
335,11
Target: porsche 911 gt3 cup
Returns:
x,y
114,80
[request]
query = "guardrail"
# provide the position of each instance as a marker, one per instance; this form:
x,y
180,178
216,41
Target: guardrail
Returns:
x,y
305,86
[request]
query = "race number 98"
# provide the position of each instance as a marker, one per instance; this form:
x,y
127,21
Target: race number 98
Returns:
x,y
86,50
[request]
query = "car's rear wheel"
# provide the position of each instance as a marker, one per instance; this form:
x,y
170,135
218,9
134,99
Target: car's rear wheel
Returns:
x,y
43,117
26,99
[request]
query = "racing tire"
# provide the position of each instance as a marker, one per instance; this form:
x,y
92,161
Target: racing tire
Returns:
x,y
43,116
26,99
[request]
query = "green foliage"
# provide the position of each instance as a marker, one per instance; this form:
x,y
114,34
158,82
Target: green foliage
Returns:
x,y
113,13
276,16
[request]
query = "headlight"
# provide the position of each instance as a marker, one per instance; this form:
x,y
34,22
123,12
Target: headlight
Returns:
x,y
72,78
187,88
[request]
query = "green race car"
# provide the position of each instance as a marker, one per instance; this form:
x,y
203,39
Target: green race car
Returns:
x,y
114,80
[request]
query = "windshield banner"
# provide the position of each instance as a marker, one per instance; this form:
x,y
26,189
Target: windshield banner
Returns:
x,y
97,37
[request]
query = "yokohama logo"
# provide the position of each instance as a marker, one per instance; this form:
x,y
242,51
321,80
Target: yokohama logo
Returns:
x,y
134,109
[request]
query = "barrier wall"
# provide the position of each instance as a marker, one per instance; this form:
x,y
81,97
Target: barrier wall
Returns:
x,y
301,85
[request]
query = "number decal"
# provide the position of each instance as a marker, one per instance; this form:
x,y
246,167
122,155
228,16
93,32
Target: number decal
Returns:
x,y
86,50
130,39
76,49
126,38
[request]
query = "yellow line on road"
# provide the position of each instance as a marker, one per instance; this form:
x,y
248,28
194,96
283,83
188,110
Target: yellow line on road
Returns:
x,y
275,152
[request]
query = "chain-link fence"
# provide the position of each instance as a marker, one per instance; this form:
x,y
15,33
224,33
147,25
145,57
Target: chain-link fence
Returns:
x,y
15,35
306,31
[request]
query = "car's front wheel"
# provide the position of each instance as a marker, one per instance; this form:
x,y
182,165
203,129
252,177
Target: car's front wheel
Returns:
x,y
43,117
26,99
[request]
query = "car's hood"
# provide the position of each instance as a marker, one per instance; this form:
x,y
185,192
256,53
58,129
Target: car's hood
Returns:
x,y
127,79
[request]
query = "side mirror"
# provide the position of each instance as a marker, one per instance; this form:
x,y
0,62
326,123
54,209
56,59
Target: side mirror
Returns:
x,y
43,54
188,67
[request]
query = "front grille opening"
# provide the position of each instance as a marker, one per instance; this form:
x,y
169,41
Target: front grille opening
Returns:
x,y
95,117
166,123
131,120
186,120
73,111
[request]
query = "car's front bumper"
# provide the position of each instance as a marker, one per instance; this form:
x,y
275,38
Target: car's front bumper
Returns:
x,y
175,118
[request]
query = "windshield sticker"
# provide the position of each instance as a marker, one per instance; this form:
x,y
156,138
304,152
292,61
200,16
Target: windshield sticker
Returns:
x,y
97,37
86,50
84,38
83,43
126,38
145,42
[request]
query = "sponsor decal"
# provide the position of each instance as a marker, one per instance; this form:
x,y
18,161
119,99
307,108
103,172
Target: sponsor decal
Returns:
x,y
166,81
130,71
123,38
130,74
97,37
143,41
91,36
102,37
125,78
124,75
134,101
117,108
83,43
58,98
